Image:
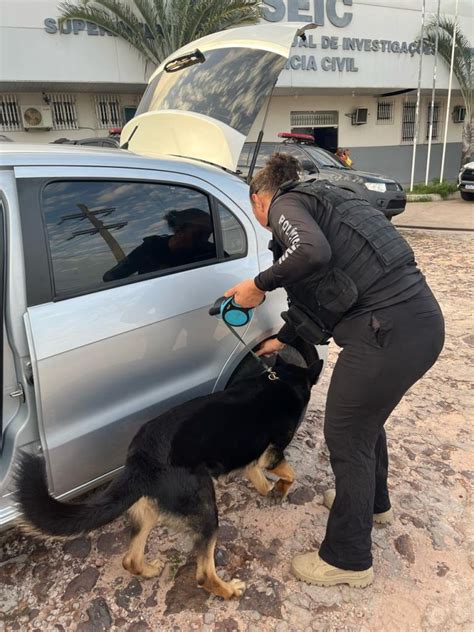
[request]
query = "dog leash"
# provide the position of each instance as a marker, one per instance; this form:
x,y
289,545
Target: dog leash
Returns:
x,y
234,315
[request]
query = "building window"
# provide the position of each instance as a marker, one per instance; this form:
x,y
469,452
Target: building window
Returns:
x,y
408,121
436,121
459,114
314,119
63,108
129,112
108,111
10,115
102,232
385,112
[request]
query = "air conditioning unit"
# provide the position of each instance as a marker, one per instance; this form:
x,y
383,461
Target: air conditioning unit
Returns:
x,y
459,114
36,117
360,116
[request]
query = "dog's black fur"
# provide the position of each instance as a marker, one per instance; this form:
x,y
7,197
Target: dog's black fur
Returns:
x,y
171,462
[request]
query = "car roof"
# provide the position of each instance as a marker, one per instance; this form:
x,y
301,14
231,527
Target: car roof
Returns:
x,y
25,155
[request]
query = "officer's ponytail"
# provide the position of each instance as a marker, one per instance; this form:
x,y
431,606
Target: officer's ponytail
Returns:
x,y
278,169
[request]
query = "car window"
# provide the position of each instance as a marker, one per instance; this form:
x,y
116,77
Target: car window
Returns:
x,y
244,155
199,88
294,151
233,235
324,158
100,232
266,150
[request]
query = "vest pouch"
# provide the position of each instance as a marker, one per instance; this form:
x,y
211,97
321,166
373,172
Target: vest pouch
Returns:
x,y
337,292
305,327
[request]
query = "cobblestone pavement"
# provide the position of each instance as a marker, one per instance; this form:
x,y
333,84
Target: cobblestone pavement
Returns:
x,y
422,562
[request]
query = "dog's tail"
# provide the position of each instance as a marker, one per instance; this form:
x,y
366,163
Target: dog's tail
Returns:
x,y
52,517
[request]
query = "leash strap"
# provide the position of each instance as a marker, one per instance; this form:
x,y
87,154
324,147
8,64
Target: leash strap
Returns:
x,y
267,369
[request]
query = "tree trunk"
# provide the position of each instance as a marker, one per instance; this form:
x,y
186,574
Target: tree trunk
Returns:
x,y
467,139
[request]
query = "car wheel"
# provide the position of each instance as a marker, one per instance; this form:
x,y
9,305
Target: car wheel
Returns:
x,y
469,197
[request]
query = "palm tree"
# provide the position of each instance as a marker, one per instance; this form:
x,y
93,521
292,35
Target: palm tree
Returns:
x,y
156,28
463,70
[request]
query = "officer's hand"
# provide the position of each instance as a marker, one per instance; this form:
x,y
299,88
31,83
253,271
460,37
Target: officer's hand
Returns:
x,y
273,345
246,293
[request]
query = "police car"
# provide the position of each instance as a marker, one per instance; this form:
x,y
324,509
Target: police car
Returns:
x,y
382,192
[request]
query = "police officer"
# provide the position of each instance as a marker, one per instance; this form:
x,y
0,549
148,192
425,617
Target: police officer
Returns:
x,y
351,276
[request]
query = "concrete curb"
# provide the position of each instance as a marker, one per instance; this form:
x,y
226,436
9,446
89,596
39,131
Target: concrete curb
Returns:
x,y
431,197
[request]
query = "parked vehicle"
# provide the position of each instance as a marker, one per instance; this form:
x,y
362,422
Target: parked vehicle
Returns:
x,y
466,182
110,261
112,142
383,193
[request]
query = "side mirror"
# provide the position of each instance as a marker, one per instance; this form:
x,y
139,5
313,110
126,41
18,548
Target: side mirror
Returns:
x,y
308,166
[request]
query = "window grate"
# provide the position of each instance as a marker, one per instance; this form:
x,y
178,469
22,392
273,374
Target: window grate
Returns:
x,y
108,111
385,111
10,115
314,119
437,122
63,108
408,121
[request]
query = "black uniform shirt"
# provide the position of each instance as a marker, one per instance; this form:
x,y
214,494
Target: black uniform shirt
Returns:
x,y
308,251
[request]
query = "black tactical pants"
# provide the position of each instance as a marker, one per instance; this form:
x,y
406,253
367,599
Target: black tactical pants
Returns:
x,y
383,354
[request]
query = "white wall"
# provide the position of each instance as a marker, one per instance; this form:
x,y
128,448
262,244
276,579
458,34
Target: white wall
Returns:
x,y
393,20
28,53
86,114
369,135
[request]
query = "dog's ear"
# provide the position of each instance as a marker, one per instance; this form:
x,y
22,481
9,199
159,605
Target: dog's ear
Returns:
x,y
314,371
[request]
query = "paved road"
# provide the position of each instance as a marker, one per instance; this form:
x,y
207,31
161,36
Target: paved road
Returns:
x,y
445,214
422,563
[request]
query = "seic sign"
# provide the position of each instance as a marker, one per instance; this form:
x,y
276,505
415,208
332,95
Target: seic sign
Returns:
x,y
338,16
275,11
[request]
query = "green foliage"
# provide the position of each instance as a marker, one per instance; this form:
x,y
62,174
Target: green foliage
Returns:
x,y
463,69
422,198
463,56
156,28
444,189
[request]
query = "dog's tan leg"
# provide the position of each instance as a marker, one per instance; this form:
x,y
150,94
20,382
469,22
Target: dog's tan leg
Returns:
x,y
286,475
258,479
207,577
143,517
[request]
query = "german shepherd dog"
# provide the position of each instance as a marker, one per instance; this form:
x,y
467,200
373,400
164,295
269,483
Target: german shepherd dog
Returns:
x,y
170,465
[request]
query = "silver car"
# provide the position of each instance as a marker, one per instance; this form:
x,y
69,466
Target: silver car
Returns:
x,y
109,263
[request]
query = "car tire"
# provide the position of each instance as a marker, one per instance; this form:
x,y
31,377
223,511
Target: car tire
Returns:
x,y
469,197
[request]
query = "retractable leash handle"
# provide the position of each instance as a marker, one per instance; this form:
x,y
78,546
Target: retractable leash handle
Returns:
x,y
234,315
231,312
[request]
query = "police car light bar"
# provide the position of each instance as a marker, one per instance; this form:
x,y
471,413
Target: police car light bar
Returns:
x,y
304,137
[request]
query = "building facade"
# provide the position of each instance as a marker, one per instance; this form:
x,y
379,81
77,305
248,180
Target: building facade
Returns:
x,y
82,80
351,84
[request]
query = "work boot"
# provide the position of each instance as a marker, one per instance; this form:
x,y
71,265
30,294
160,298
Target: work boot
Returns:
x,y
311,569
386,517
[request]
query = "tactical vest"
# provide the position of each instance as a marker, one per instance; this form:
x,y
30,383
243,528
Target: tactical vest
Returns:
x,y
365,247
